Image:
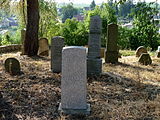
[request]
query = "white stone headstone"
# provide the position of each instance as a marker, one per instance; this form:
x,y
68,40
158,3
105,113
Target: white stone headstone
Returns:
x,y
158,48
74,81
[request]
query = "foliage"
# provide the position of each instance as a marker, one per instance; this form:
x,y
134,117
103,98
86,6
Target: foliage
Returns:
x,y
107,14
68,12
126,8
48,25
92,5
145,28
74,32
124,37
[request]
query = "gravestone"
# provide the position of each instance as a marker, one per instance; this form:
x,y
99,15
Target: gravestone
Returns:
x,y
111,54
140,50
145,59
12,66
74,81
158,52
57,44
43,47
94,61
23,35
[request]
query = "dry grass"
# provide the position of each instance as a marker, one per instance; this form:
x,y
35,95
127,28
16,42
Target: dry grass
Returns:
x,y
126,91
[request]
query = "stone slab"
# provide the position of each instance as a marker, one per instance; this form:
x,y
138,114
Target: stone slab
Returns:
x,y
74,78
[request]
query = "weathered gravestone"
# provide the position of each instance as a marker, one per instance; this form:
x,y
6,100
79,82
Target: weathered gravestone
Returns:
x,y
145,59
140,50
94,61
23,35
74,81
56,53
158,52
111,54
12,66
43,47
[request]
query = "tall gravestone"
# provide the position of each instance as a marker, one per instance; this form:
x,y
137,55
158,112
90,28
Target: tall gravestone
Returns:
x,y
111,54
74,81
57,44
94,61
23,35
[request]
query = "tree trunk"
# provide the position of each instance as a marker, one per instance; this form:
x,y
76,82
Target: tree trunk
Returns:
x,y
31,39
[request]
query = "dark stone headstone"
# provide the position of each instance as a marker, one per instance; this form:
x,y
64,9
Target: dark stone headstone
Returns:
x,y
12,66
111,54
43,47
57,45
140,50
145,59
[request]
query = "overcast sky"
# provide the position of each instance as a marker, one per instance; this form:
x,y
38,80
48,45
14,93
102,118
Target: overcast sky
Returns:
x,y
97,1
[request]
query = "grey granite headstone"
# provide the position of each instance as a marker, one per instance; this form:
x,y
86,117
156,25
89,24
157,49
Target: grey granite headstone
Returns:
x,y
74,81
158,52
23,35
56,53
111,54
94,61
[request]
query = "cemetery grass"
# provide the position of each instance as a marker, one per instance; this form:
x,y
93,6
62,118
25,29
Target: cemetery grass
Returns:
x,y
125,91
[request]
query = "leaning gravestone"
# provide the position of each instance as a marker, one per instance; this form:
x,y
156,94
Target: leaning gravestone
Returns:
x,y
140,50
12,66
56,53
43,47
94,61
23,35
111,54
145,59
74,81
158,52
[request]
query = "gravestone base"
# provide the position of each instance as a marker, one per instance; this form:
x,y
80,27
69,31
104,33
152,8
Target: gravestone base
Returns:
x,y
75,111
158,55
94,66
111,57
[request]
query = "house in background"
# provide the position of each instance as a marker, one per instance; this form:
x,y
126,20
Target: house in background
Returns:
x,y
79,17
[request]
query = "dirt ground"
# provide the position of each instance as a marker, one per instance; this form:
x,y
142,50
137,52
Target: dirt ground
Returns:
x,y
125,91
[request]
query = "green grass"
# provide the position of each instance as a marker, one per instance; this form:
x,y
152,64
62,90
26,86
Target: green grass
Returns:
x,y
127,52
133,52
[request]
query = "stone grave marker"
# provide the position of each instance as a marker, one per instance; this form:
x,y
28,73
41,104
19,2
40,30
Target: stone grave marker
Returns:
x,y
158,52
94,61
43,47
111,54
74,81
140,50
145,59
12,66
56,53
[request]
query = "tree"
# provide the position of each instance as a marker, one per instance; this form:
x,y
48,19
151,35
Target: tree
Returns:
x,y
92,5
68,12
31,39
145,31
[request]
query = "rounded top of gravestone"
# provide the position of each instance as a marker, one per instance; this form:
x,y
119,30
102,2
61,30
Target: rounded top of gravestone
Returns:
x,y
112,24
74,47
12,66
58,37
140,50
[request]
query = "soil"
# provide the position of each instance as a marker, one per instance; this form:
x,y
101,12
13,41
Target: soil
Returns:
x,y
124,91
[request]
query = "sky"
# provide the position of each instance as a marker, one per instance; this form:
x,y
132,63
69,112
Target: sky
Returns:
x,y
96,1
